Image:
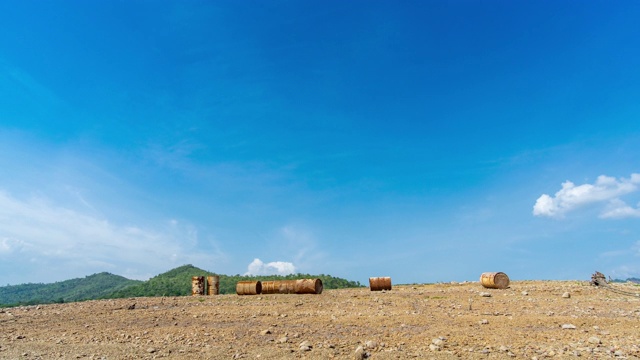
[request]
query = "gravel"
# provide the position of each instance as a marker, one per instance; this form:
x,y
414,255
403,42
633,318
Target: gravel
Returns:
x,y
418,321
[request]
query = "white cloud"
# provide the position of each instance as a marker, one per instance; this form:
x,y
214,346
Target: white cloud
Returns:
x,y
605,189
257,267
619,209
70,243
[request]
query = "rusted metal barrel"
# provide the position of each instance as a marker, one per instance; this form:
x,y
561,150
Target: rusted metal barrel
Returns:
x,y
248,287
279,287
308,286
213,285
197,285
380,283
494,280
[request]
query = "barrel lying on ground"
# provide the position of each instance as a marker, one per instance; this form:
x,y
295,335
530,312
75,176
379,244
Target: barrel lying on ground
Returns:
x,y
494,280
248,287
279,287
300,286
308,286
380,283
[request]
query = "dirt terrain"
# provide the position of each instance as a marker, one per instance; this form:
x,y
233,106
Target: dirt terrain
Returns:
x,y
529,320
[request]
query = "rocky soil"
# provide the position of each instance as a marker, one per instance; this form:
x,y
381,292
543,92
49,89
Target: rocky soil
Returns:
x,y
529,320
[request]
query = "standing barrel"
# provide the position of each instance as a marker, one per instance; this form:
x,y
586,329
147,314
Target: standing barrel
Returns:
x,y
248,287
213,285
494,280
380,283
279,287
309,286
197,285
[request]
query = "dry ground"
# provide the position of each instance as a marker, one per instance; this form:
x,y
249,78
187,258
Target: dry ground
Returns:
x,y
530,320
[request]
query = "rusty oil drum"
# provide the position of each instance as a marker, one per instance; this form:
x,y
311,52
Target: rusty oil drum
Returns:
x,y
248,287
279,287
494,280
213,285
197,285
308,286
380,283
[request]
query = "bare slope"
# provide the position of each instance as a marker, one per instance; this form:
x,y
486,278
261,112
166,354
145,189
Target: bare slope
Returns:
x,y
529,320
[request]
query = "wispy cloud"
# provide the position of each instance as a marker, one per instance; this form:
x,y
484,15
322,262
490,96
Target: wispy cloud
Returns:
x,y
257,267
619,209
35,230
606,189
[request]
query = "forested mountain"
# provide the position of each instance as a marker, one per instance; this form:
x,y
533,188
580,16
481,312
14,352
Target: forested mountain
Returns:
x,y
90,287
176,282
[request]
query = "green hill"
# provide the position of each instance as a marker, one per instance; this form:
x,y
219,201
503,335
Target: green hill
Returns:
x,y
90,287
176,282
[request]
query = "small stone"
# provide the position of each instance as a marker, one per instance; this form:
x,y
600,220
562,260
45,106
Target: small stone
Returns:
x,y
595,340
485,294
370,344
283,340
151,350
437,341
483,322
503,348
360,353
305,346
434,347
524,293
566,295
265,332
568,326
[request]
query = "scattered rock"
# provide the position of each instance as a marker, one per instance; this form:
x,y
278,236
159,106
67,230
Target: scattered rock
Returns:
x,y
283,340
524,293
265,332
305,346
370,344
566,295
568,326
485,294
360,353
483,322
151,350
595,340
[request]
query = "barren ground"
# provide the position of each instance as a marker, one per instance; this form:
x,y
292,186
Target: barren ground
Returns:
x,y
529,320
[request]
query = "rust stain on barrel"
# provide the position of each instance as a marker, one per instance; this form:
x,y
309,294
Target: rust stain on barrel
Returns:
x,y
248,287
308,286
279,287
380,283
197,285
494,280
213,285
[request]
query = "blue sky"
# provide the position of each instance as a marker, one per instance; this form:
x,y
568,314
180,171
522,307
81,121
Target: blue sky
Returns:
x,y
423,140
